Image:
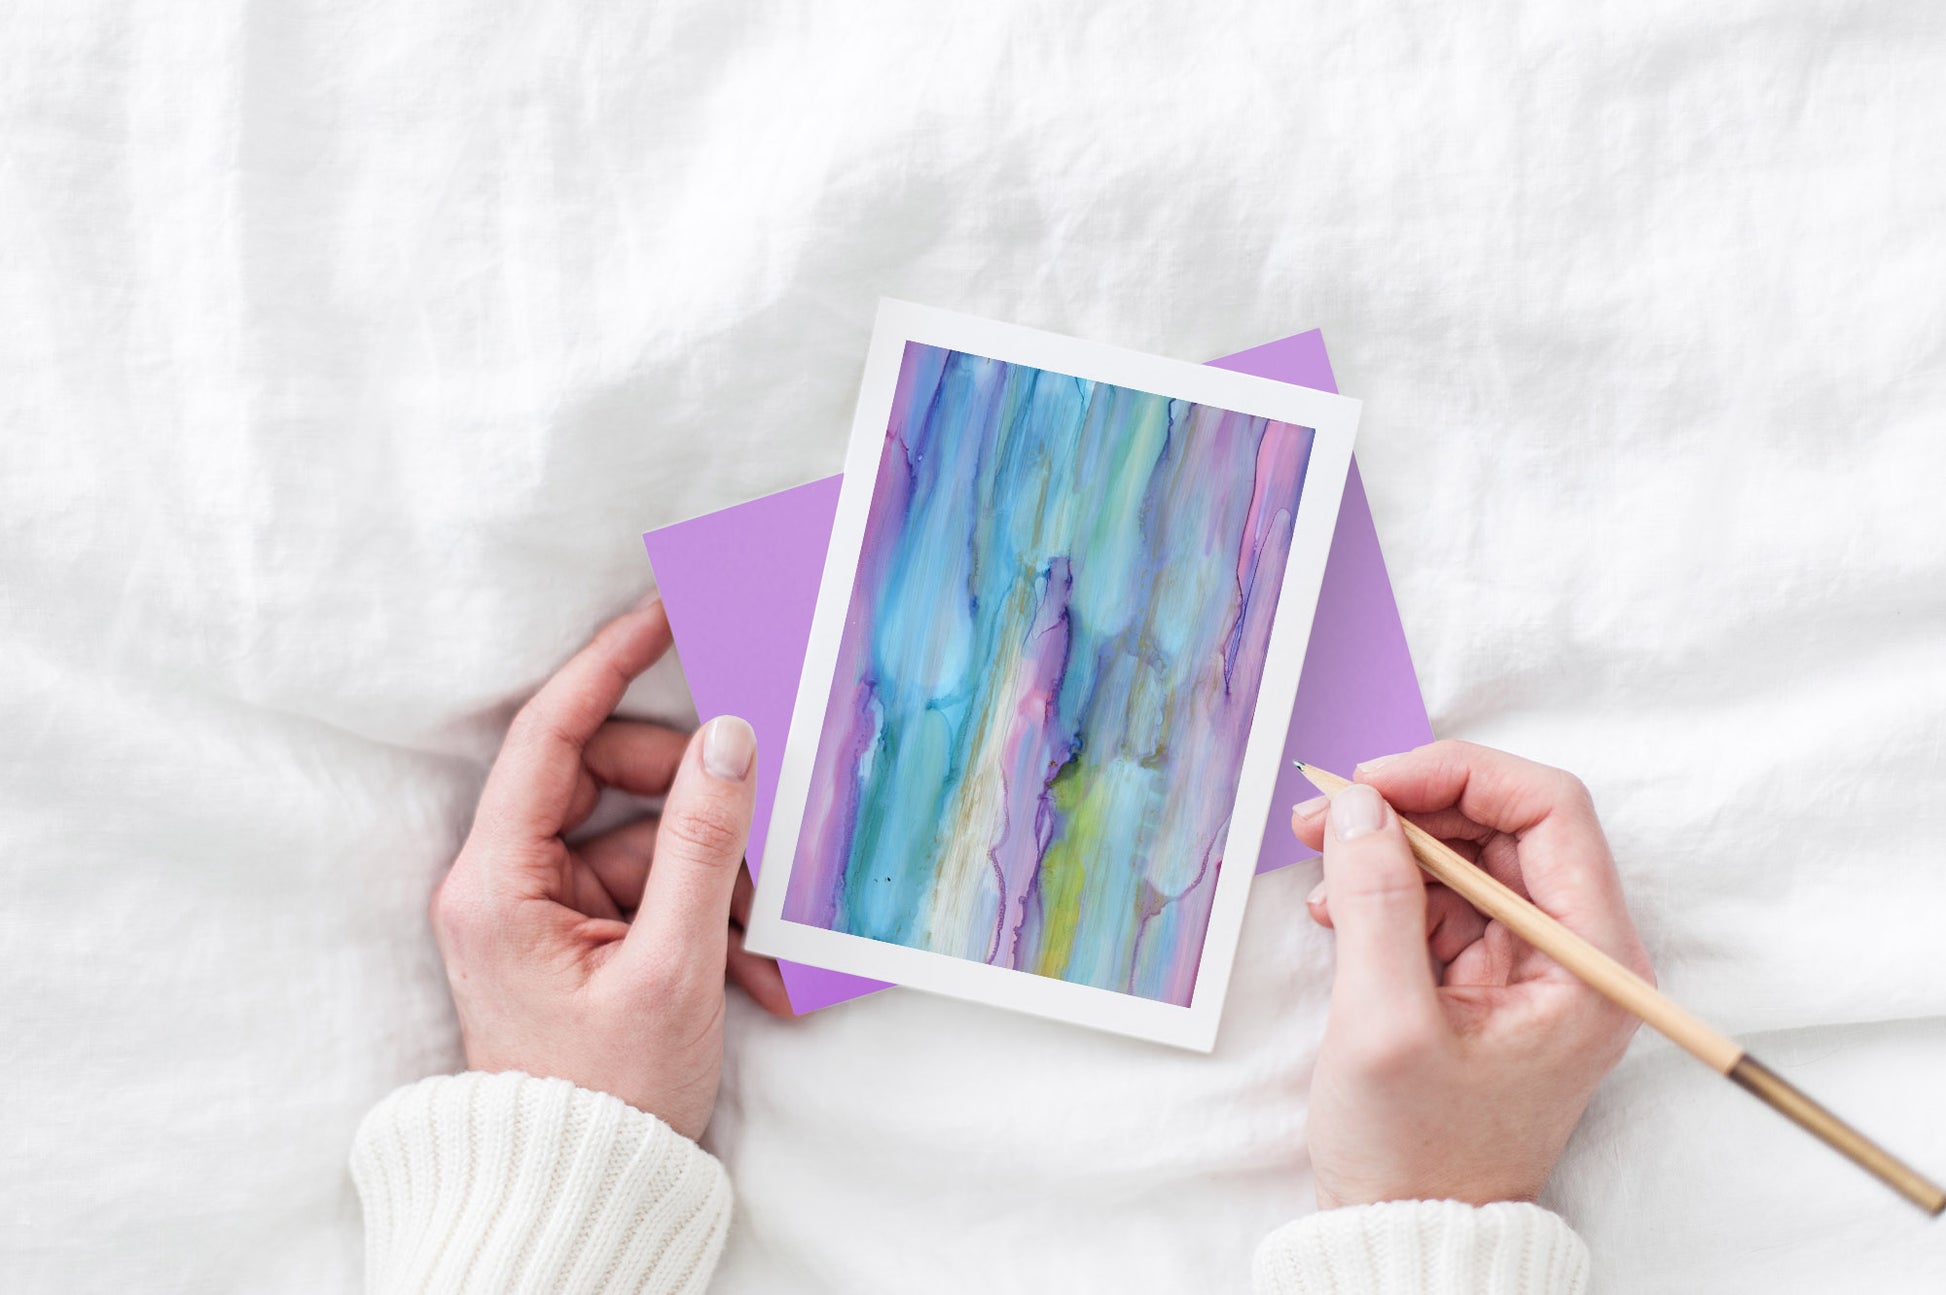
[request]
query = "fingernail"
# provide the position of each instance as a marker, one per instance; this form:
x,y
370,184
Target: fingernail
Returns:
x,y
1310,808
649,599
1357,811
729,748
1317,894
1378,762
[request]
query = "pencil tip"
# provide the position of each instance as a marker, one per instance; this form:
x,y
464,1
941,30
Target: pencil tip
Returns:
x,y
1298,763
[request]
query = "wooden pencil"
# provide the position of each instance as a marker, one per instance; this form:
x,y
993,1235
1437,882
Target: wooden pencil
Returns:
x,y
1637,996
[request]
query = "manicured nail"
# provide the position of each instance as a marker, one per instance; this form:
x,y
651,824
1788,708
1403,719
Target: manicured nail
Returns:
x,y
1310,808
1378,762
729,749
1317,894
1357,811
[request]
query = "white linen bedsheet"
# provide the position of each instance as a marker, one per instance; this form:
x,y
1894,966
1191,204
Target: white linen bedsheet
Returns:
x,y
346,347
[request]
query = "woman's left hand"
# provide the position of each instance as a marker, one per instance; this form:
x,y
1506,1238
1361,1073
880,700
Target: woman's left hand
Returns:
x,y
604,963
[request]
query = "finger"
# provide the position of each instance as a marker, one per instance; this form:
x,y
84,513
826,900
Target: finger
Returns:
x,y
1318,905
742,897
759,977
1500,858
1378,908
1452,826
586,894
1307,821
1451,924
530,792
620,859
587,794
685,910
1492,788
1564,862
1443,908
1449,825
639,758
1487,962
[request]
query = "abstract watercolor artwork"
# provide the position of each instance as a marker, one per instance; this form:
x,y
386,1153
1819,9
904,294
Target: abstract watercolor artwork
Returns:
x,y
1063,598
1048,673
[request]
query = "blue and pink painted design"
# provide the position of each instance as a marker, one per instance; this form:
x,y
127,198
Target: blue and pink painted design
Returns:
x,y
1048,674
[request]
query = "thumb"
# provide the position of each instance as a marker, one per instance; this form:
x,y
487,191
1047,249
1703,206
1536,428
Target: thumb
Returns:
x,y
1378,907
685,911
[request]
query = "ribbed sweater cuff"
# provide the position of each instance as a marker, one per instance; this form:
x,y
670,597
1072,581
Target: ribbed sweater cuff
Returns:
x,y
505,1182
1442,1247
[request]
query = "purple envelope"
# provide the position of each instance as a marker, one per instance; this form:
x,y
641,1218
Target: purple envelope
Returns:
x,y
741,584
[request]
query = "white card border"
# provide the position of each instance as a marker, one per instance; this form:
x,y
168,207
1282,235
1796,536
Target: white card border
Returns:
x,y
1333,419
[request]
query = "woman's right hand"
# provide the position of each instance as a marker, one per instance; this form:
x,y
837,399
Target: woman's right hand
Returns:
x,y
1457,1059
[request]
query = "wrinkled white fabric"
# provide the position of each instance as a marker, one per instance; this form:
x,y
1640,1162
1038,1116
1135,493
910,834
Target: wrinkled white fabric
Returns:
x,y
345,348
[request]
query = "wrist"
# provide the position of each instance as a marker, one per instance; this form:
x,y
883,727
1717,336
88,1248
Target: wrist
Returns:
x,y
1481,1186
1423,1246
1461,1195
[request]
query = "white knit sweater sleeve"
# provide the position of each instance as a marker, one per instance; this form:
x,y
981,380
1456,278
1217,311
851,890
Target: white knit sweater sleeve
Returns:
x,y
505,1182
1436,1247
